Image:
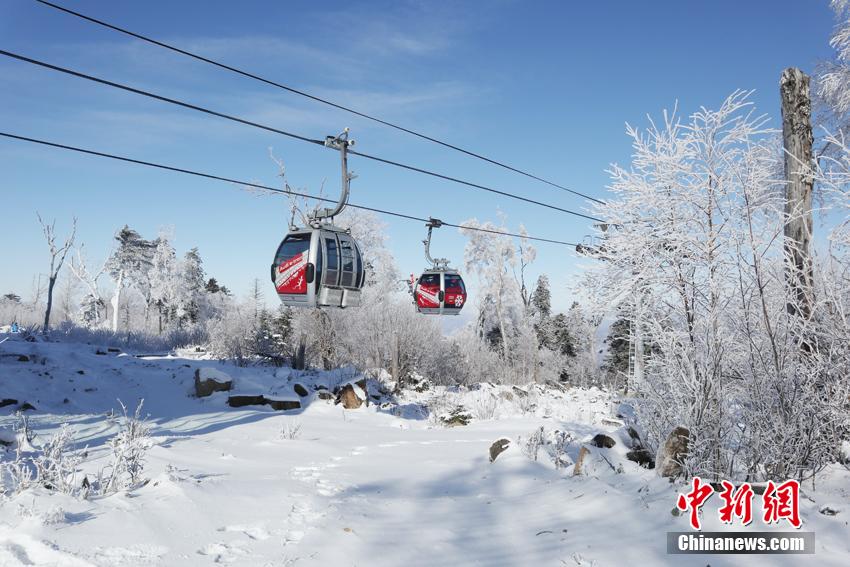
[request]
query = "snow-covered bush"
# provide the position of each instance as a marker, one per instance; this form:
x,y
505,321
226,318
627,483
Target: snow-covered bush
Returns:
x,y
52,465
129,447
291,429
558,442
483,405
531,443
693,259
56,462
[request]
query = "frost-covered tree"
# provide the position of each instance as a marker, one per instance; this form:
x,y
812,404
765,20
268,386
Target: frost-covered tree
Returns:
x,y
92,307
57,259
541,299
833,77
695,261
493,258
162,280
128,265
191,288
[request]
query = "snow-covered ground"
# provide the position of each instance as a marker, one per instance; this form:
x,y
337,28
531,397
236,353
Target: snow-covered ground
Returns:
x,y
386,484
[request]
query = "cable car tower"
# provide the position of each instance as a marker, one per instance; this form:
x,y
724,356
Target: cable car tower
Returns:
x,y
440,289
320,265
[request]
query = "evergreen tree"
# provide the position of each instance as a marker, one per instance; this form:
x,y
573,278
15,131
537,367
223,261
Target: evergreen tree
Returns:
x,y
192,287
541,299
129,265
92,310
163,280
619,348
212,286
562,340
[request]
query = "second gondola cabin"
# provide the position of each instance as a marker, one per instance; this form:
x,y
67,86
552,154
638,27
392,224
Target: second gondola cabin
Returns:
x,y
439,292
440,289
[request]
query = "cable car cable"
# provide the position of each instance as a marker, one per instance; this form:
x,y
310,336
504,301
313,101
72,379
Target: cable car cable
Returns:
x,y
283,132
265,187
312,97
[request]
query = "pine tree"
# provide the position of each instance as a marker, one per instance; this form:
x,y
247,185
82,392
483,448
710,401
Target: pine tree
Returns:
x,y
541,299
619,348
561,338
192,286
129,265
163,279
92,310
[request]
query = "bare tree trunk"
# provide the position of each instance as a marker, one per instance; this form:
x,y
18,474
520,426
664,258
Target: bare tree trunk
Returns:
x,y
797,141
50,283
116,298
57,259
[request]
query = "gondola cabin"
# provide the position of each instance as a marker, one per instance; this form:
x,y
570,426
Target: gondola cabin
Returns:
x,y
318,267
439,292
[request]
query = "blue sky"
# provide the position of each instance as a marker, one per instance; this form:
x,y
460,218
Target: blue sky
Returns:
x,y
545,86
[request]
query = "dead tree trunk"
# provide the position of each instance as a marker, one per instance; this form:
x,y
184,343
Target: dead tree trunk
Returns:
x,y
57,258
797,141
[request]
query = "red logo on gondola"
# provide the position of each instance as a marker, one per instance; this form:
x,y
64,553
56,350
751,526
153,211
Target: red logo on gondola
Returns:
x,y
428,296
455,297
291,275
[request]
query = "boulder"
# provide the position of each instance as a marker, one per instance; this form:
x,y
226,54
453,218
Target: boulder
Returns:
x,y
240,400
670,455
209,380
324,395
26,406
602,441
348,397
498,448
8,402
23,358
300,390
520,392
641,456
283,404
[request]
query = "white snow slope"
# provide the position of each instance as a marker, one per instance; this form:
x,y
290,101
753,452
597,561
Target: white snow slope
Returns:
x,y
372,486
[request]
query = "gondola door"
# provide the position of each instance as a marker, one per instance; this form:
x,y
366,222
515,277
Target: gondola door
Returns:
x,y
454,293
290,269
428,294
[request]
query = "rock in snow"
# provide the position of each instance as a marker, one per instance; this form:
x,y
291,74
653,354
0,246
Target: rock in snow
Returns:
x,y
498,448
349,398
276,403
602,441
209,380
282,404
672,452
239,400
